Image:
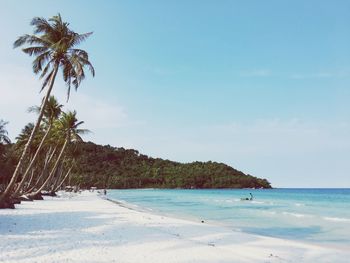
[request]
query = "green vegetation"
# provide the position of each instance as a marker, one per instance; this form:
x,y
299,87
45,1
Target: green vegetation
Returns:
x,y
87,164
53,46
106,166
7,162
50,157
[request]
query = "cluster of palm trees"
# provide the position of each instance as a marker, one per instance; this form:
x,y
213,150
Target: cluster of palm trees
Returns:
x,y
3,133
45,162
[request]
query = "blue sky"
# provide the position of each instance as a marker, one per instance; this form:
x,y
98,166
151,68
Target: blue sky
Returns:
x,y
263,86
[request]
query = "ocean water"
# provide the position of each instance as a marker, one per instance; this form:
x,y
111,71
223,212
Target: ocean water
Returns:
x,y
319,216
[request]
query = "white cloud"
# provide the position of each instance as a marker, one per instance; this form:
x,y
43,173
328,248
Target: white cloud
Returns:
x,y
19,89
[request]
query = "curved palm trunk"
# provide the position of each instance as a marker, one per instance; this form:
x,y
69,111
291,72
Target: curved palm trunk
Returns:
x,y
48,159
30,180
52,171
14,177
26,173
58,174
58,179
64,178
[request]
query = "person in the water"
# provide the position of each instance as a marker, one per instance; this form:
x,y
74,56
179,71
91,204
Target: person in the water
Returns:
x,y
247,198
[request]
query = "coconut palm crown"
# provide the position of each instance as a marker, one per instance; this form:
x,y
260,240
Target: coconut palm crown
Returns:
x,y
68,125
53,43
52,110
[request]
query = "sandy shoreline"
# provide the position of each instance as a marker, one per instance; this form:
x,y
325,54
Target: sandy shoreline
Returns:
x,y
87,228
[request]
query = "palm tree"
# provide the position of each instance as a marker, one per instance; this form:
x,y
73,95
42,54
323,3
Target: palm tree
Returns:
x,y
51,112
68,128
53,45
4,155
73,152
22,140
3,133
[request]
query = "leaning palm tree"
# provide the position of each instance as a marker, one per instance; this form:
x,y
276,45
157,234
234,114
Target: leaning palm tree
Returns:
x,y
72,154
3,133
52,111
53,45
68,129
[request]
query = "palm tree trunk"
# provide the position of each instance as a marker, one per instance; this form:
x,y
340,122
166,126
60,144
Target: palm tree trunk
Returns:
x,y
14,177
58,179
32,162
48,159
30,180
52,171
64,178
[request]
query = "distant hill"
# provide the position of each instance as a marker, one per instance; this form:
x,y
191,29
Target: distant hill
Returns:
x,y
111,167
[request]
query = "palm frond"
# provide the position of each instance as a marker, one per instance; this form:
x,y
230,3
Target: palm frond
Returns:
x,y
34,50
20,41
40,60
89,65
35,109
82,131
30,40
41,25
77,124
79,38
80,53
46,68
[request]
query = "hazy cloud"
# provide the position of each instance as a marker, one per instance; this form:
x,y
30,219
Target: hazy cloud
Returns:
x,y
19,90
280,150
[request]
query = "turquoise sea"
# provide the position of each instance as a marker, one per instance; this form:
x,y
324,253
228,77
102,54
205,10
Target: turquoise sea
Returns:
x,y
319,216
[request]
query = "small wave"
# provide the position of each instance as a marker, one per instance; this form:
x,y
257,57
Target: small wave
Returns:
x,y
294,214
257,202
299,204
336,219
232,200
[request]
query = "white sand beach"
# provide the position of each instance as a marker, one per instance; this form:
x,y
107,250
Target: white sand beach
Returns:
x,y
86,228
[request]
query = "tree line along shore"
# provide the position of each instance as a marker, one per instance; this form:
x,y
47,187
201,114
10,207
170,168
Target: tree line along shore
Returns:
x,y
91,165
111,167
50,153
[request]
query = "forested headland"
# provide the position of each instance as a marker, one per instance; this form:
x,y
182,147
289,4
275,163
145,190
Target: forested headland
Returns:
x,y
111,167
